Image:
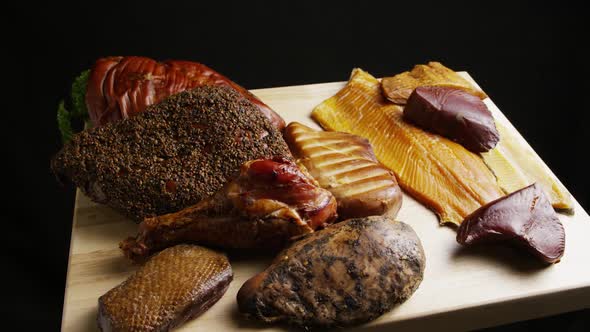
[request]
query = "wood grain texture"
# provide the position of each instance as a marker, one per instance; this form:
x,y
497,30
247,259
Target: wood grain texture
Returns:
x,y
462,289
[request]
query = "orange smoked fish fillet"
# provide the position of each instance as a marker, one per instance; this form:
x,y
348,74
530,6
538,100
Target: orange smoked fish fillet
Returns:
x,y
516,166
441,174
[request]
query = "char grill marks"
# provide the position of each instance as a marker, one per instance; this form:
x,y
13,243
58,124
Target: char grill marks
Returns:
x,y
346,165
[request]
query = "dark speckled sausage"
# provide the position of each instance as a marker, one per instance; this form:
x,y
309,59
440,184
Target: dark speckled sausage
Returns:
x,y
346,274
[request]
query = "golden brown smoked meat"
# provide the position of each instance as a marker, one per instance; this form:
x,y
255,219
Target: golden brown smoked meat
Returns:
x,y
174,286
346,165
268,203
349,273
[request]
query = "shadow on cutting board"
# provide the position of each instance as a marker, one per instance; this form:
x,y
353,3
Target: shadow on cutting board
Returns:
x,y
501,254
90,323
241,322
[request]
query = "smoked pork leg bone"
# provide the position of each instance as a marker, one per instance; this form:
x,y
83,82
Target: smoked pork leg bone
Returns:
x,y
174,286
524,217
454,114
121,87
173,155
346,165
268,203
349,273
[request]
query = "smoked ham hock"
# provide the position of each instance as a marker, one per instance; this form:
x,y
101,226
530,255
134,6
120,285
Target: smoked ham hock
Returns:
x,y
122,87
267,204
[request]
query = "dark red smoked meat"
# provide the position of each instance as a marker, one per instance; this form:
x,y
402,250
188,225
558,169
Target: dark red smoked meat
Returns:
x,y
524,217
454,114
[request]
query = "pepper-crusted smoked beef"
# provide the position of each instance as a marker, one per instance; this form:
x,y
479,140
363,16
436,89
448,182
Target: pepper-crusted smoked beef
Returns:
x,y
268,203
171,156
174,286
348,273
121,87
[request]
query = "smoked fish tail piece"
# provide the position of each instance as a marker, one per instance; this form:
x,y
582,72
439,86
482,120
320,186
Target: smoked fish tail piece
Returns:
x,y
441,174
517,166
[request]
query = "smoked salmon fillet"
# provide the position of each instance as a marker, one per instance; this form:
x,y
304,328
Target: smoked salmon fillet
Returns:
x,y
441,174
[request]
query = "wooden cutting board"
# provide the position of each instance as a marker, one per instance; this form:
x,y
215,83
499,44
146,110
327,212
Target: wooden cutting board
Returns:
x,y
461,289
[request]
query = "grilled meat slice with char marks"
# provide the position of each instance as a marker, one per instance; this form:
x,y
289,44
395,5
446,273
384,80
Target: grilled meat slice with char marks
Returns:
x,y
121,87
171,156
346,165
349,273
269,202
174,286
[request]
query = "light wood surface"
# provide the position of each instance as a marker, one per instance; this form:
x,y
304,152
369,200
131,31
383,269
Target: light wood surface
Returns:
x,y
462,289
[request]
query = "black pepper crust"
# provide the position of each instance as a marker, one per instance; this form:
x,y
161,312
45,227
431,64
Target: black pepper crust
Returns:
x,y
172,155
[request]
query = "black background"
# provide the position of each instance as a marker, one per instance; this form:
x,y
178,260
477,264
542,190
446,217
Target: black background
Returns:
x,y
531,59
